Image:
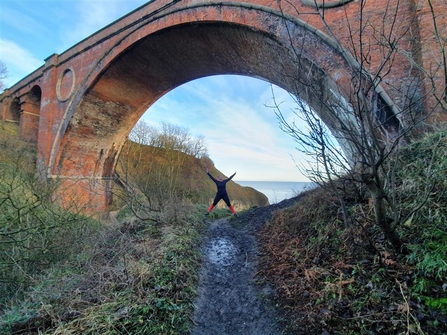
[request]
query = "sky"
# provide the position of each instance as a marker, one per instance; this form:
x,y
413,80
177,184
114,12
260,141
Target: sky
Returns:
x,y
240,130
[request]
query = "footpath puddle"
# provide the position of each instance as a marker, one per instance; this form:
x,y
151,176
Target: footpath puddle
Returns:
x,y
221,251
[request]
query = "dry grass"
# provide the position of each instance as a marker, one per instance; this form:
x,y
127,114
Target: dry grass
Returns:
x,y
338,280
136,279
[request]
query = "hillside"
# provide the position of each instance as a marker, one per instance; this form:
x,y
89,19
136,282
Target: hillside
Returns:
x,y
137,162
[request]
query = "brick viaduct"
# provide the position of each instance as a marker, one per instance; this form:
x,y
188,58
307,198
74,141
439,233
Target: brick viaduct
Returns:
x,y
80,106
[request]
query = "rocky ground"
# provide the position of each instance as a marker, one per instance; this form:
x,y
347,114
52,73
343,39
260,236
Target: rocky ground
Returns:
x,y
230,300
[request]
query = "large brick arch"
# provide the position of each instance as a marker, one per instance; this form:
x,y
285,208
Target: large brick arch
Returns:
x,y
86,100
172,50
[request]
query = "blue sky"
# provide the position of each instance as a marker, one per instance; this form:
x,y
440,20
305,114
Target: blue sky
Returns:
x,y
240,132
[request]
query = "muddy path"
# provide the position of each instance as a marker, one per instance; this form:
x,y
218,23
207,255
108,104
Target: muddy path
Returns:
x,y
230,300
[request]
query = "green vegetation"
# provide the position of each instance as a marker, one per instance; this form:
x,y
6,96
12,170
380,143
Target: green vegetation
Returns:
x,y
350,279
65,273
62,272
34,233
136,278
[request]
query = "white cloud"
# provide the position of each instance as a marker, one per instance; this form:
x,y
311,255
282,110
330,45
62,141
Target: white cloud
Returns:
x,y
92,16
19,62
18,20
240,132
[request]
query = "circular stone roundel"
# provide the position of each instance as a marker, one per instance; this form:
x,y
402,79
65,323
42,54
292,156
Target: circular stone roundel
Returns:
x,y
65,84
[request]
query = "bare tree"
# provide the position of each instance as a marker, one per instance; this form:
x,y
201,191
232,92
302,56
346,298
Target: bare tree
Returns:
x,y
366,131
34,232
152,170
3,74
142,133
170,137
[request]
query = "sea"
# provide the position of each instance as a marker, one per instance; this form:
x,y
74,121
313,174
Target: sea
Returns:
x,y
277,191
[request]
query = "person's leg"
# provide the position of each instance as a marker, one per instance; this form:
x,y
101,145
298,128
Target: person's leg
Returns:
x,y
210,209
216,200
227,201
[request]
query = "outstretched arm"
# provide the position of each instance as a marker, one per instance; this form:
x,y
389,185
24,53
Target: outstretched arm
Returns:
x,y
229,178
209,175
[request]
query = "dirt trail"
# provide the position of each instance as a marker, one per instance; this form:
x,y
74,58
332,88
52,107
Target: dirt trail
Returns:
x,y
229,302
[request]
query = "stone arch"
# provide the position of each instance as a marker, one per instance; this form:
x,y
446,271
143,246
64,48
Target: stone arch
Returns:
x,y
36,97
14,111
29,121
181,46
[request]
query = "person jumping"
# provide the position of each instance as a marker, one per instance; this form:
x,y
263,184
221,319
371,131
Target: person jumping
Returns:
x,y
221,194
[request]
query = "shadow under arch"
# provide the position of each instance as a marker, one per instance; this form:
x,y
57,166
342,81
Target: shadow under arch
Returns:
x,y
30,114
102,113
13,114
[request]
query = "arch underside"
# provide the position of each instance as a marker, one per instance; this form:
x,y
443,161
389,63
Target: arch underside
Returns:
x,y
161,62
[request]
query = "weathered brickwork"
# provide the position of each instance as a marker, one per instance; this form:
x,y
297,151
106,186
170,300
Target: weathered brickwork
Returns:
x,y
79,107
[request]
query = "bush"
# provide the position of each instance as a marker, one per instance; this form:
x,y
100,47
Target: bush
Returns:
x,y
34,233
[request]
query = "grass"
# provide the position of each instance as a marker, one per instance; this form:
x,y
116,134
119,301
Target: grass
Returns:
x,y
8,129
64,273
219,213
136,279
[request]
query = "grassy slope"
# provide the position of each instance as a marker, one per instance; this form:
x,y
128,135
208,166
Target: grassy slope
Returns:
x,y
8,129
128,277
338,280
200,188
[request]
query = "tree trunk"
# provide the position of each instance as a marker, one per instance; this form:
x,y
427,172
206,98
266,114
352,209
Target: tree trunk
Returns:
x,y
380,214
385,223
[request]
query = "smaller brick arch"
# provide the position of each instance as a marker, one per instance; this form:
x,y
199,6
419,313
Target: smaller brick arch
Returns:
x,y
34,97
30,114
13,112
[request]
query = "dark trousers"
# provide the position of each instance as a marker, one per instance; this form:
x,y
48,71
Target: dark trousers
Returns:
x,y
224,197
